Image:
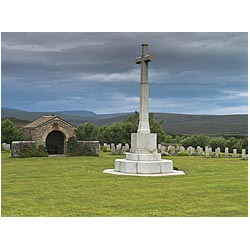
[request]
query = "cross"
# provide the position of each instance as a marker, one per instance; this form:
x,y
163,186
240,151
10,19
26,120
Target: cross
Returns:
x,y
144,59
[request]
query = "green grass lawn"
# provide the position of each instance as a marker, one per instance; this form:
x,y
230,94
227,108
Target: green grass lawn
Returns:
x,y
76,186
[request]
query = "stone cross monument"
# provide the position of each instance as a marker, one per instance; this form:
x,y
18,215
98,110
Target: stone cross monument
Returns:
x,y
144,116
143,141
143,158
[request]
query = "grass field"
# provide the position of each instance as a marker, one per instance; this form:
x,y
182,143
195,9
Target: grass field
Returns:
x,y
76,186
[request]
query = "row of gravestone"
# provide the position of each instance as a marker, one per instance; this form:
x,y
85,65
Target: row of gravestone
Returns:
x,y
117,149
208,152
199,151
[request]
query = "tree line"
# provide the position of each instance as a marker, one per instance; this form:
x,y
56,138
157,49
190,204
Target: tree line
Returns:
x,y
120,132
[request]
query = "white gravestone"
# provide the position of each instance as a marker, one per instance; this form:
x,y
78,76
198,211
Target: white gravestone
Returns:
x,y
126,147
192,150
201,151
163,150
243,155
217,153
6,146
218,149
182,149
226,152
210,150
207,152
234,153
119,148
123,149
112,149
172,150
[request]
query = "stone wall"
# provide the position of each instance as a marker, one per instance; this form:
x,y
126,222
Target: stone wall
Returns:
x,y
17,146
93,145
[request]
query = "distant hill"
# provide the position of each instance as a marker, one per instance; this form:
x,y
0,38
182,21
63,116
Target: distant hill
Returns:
x,y
171,123
78,113
75,117
204,124
90,114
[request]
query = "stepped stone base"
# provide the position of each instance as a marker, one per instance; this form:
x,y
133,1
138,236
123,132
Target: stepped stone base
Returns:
x,y
143,159
143,167
112,171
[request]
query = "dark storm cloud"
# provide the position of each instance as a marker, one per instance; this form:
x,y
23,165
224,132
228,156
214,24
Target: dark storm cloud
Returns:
x,y
56,71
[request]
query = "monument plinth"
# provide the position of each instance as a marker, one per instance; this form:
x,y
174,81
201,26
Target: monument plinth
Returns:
x,y
143,158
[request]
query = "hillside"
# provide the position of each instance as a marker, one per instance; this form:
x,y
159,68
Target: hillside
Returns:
x,y
195,124
171,123
75,117
203,124
31,116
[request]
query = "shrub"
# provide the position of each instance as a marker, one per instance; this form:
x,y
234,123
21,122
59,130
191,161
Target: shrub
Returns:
x,y
195,140
105,149
84,149
194,154
183,153
32,151
72,146
77,148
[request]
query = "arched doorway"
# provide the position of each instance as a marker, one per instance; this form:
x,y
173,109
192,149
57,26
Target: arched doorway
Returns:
x,y
55,142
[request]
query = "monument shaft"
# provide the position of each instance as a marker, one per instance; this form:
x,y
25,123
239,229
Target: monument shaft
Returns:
x,y
144,112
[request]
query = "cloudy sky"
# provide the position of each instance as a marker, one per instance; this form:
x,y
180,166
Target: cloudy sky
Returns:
x,y
193,73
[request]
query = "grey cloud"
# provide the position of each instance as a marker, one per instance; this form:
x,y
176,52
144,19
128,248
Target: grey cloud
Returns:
x,y
183,60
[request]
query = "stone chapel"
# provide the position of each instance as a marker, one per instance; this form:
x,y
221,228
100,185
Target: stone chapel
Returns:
x,y
51,131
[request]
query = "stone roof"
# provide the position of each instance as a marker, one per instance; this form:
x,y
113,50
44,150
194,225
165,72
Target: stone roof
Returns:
x,y
43,120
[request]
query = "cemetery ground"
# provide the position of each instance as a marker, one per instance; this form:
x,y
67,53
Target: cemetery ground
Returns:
x,y
76,186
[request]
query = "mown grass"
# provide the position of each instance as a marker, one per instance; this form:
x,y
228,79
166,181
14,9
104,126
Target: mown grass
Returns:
x,y
76,186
